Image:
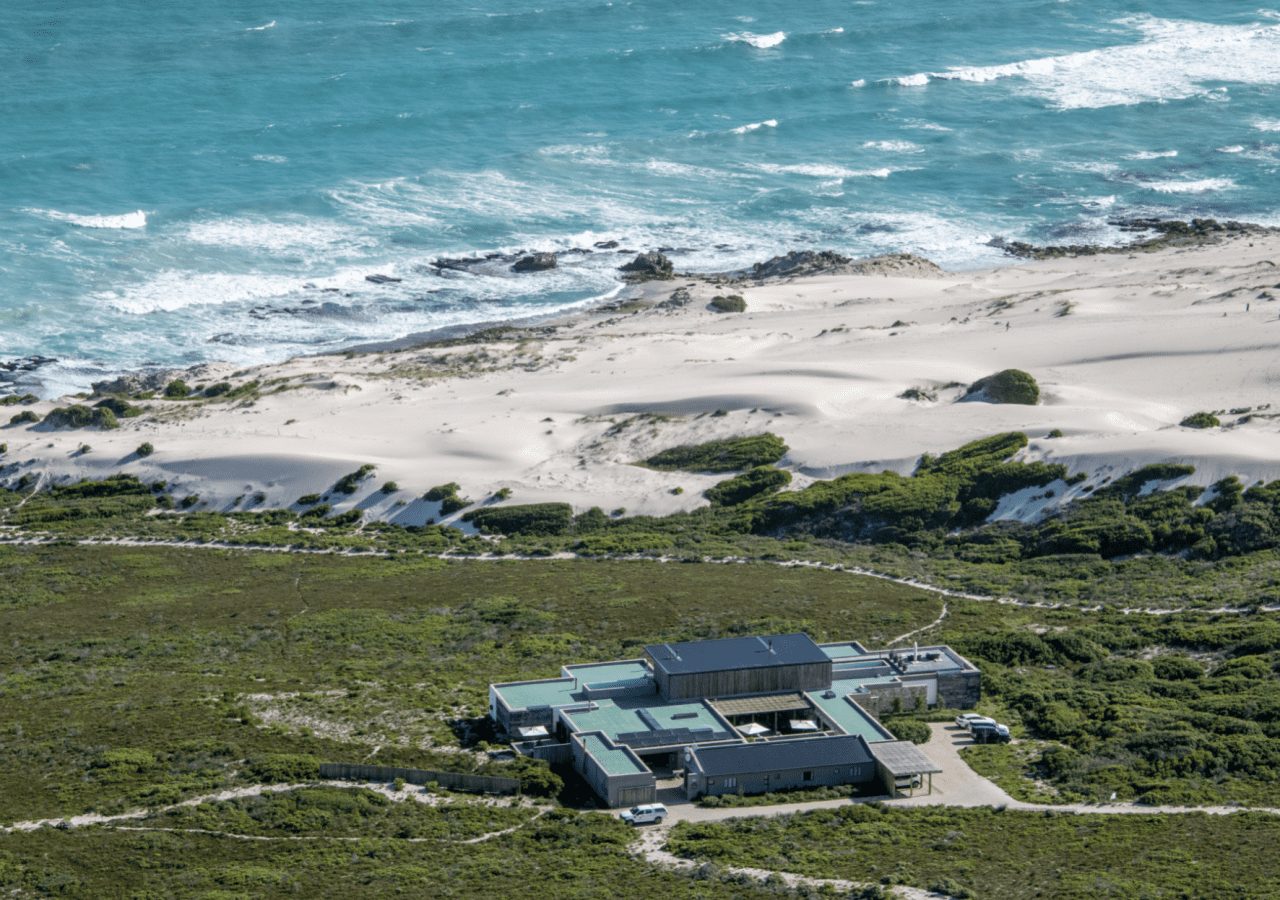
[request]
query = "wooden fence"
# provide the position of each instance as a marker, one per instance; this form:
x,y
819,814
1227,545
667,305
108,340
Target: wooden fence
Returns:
x,y
454,781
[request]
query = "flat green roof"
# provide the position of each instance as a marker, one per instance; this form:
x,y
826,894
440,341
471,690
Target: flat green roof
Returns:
x,y
563,691
850,717
549,692
614,760
615,717
601,675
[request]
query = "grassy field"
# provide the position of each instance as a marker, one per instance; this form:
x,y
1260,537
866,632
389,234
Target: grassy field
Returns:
x,y
985,853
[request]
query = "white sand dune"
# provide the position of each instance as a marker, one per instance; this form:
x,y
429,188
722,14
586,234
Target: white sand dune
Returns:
x,y
1123,346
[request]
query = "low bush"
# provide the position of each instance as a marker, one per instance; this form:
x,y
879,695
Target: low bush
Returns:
x,y
177,389
752,483
1007,386
24,417
724,455
440,491
350,483
913,730
308,499
733,303
1201,420
390,487
121,407
145,449
533,518
80,416
16,399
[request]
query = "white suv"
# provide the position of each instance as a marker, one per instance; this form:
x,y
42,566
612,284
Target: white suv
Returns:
x,y
644,814
968,720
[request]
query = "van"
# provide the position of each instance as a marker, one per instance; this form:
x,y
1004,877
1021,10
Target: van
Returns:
x,y
990,733
644,814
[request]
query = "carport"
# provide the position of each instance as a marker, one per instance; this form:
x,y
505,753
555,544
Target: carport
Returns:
x,y
902,765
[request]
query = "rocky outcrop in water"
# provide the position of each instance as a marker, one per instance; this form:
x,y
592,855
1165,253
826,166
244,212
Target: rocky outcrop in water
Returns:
x,y
651,266
534,262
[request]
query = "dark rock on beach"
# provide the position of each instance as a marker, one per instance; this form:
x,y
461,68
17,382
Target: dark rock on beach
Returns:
x,y
605,245
807,263
131,383
1161,233
534,262
652,266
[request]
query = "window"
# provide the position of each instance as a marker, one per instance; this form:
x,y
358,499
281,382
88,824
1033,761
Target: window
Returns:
x,y
730,782
808,776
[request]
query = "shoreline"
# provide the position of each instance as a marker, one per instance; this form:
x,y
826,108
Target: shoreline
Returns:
x,y
558,407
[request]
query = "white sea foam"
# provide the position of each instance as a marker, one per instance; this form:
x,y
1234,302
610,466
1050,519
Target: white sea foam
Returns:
x,y
1153,154
136,219
759,41
836,30
270,158
755,126
276,237
1197,186
1172,61
858,83
893,146
1267,124
267,27
823,170
1233,148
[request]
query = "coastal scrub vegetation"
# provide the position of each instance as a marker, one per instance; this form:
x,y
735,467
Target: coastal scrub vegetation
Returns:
x,y
1003,853
1007,386
752,483
724,455
77,415
1201,420
350,483
731,303
448,497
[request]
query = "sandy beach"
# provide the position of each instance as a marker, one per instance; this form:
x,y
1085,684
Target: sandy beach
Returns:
x,y
1124,346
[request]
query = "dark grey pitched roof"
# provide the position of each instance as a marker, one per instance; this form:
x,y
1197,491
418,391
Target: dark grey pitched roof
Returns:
x,y
776,756
687,657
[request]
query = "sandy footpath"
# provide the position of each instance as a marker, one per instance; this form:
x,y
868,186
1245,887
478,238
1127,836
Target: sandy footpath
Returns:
x,y
1123,346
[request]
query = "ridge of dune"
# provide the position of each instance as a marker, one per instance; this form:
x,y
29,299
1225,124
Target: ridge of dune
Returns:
x,y
1123,347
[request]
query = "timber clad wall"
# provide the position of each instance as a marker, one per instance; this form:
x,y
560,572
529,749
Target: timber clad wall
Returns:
x,y
729,683
786,779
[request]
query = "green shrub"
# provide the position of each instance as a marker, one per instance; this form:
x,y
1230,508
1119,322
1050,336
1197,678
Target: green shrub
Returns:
x,y
1007,386
145,449
725,455
122,408
350,483
450,505
733,303
536,777
23,417
217,389
319,511
189,501
502,494
176,389
533,518
15,399
912,730
1201,420
80,416
440,491
274,768
752,483
390,487
308,499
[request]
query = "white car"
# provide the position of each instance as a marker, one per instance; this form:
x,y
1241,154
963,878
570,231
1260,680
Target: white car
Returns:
x,y
968,720
644,814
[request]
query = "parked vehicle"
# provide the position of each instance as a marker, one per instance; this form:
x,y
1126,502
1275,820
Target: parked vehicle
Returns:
x,y
993,733
967,720
644,814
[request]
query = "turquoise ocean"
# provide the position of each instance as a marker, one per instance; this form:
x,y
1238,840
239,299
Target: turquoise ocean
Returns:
x,y
192,181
